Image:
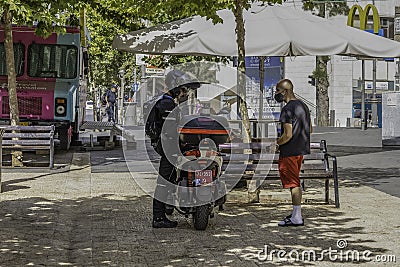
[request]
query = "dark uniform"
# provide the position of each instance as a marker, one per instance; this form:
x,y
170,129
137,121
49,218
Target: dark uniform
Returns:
x,y
167,118
166,111
111,98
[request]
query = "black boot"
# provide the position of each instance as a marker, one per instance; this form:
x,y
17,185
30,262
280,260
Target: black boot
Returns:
x,y
164,223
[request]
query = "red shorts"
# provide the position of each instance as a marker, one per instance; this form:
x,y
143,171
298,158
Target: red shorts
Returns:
x,y
289,171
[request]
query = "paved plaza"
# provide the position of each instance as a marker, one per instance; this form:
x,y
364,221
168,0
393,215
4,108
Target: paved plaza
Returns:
x,y
91,212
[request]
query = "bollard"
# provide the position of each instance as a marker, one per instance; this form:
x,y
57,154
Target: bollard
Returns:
x,y
365,126
348,123
1,153
91,140
332,118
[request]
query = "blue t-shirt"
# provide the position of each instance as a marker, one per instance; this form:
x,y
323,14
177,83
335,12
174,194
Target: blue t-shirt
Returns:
x,y
296,113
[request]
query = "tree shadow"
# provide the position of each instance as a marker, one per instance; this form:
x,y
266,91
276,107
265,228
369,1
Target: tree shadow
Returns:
x,y
382,179
163,41
40,162
10,185
341,151
116,231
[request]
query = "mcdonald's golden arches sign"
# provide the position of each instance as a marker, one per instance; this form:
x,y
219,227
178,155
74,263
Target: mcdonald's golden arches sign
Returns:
x,y
363,15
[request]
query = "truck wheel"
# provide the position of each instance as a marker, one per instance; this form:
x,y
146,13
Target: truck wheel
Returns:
x,y
200,217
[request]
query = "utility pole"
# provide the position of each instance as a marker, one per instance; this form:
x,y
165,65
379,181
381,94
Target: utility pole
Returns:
x,y
374,100
120,96
135,85
363,117
397,38
261,100
143,90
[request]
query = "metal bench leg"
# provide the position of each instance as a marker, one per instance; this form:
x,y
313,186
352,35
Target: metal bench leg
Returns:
x,y
1,155
336,182
326,191
112,133
51,163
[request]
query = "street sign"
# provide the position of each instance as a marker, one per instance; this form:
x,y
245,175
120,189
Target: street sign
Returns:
x,y
253,62
155,71
379,85
348,58
135,87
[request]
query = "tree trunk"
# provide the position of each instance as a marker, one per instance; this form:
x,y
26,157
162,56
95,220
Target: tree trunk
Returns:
x,y
12,83
322,92
241,70
322,81
252,189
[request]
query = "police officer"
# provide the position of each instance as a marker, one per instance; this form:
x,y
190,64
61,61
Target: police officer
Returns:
x,y
177,83
111,97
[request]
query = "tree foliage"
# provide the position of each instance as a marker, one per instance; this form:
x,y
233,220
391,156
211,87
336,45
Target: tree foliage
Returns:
x,y
208,8
106,18
50,16
320,73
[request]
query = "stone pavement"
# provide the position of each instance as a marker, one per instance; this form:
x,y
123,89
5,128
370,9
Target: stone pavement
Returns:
x,y
94,214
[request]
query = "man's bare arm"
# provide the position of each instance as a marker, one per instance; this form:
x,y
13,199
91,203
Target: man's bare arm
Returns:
x,y
286,135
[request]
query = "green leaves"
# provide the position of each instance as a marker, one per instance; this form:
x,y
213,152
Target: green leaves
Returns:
x,y
333,7
49,15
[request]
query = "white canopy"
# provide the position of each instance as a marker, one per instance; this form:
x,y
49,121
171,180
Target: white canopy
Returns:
x,y
270,31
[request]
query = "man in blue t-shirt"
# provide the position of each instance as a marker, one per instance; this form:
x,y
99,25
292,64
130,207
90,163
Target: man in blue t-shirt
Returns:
x,y
293,144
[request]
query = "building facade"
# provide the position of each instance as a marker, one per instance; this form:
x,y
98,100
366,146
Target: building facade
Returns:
x,y
345,73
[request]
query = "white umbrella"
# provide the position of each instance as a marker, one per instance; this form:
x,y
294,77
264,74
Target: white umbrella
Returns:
x,y
270,31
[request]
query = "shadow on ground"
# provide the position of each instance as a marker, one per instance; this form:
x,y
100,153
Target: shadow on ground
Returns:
x,y
115,231
341,151
385,180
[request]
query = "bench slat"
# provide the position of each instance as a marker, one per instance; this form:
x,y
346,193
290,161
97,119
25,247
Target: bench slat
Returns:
x,y
266,157
262,145
28,128
25,148
27,135
270,167
29,138
245,157
314,156
275,176
272,172
245,145
26,142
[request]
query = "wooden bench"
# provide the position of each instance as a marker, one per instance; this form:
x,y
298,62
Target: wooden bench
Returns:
x,y
258,161
29,138
107,142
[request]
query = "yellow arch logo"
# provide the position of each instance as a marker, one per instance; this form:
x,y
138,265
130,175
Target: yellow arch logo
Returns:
x,y
363,14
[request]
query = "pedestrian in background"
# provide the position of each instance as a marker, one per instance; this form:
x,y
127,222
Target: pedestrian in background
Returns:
x,y
293,144
111,97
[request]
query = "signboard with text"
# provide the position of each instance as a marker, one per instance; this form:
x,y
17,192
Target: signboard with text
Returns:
x,y
397,25
155,71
